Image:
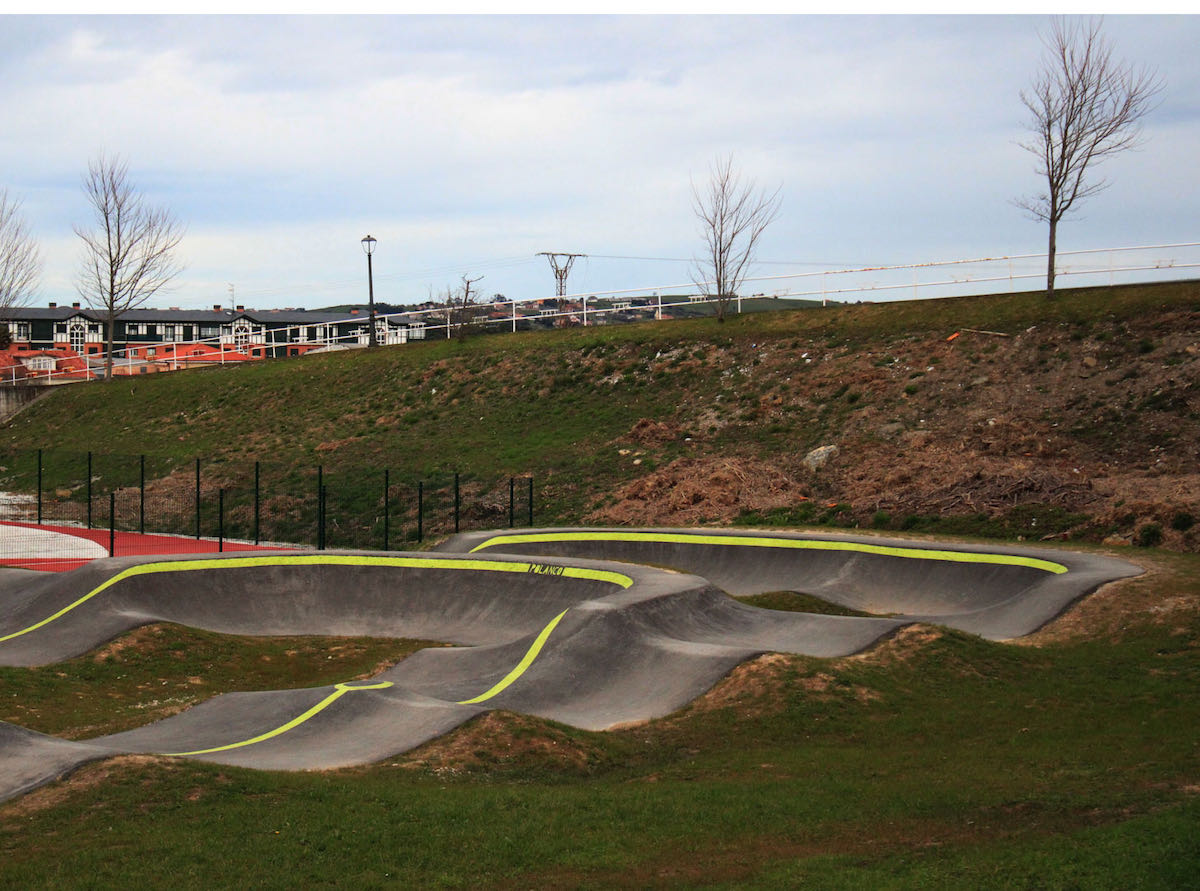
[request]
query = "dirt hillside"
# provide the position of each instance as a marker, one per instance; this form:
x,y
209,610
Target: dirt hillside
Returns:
x,y
1091,430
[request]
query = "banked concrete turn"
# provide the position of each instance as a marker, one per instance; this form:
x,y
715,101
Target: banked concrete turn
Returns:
x,y
560,635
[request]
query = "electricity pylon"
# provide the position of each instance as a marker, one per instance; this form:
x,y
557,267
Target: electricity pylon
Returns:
x,y
561,269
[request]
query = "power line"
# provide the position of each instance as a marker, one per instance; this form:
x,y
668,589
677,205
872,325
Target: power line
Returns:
x,y
830,263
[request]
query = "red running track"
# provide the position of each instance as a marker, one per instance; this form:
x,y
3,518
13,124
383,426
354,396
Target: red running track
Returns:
x,y
125,544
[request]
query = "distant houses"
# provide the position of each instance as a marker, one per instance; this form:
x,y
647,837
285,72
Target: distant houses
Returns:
x,y
59,344
69,342
19,365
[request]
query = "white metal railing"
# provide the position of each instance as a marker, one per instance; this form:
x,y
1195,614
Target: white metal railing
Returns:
x,y
930,280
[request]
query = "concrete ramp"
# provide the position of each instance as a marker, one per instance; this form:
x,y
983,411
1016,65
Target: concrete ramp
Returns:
x,y
996,592
561,635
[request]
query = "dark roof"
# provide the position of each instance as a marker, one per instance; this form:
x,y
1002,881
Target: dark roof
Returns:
x,y
182,316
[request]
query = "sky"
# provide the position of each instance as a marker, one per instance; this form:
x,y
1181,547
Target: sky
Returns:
x,y
469,144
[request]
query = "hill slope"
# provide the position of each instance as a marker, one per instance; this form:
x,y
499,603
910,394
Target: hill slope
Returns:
x,y
1038,418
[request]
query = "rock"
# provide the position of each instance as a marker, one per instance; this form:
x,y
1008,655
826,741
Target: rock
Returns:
x,y
819,457
890,430
1089,361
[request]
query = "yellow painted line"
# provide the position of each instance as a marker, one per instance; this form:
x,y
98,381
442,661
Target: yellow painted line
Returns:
x,y
616,578
339,691
209,563
764,542
526,661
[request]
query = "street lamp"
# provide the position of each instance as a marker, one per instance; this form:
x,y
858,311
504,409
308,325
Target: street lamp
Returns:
x,y
368,244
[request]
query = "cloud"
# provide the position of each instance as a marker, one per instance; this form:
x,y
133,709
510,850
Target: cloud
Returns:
x,y
472,140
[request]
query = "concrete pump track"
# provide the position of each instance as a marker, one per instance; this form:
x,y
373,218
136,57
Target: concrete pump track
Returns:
x,y
544,621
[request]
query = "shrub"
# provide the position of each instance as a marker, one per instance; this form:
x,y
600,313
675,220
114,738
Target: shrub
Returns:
x,y
1149,536
1182,521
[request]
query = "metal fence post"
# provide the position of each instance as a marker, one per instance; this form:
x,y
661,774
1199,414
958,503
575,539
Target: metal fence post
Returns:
x,y
89,491
387,504
39,487
142,496
457,502
512,490
197,498
421,510
320,507
531,502
256,503
112,524
321,519
220,520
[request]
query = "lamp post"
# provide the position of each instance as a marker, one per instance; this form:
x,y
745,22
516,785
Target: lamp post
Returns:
x,y
368,244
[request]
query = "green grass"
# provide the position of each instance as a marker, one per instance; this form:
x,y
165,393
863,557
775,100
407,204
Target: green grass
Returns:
x,y
555,404
956,762
796,602
950,763
158,670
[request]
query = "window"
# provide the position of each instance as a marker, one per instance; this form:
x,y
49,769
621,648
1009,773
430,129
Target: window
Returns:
x,y
77,335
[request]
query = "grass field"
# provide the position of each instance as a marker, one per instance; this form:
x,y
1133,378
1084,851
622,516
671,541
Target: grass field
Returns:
x,y
1069,760
937,760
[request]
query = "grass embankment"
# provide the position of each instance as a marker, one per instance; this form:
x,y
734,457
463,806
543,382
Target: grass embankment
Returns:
x,y
1064,390
938,759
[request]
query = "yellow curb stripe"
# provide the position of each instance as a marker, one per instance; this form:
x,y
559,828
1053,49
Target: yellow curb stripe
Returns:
x,y
342,689
339,691
526,661
792,543
615,578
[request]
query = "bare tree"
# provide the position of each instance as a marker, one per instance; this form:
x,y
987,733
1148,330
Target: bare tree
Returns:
x,y
20,260
1083,108
732,215
462,307
129,251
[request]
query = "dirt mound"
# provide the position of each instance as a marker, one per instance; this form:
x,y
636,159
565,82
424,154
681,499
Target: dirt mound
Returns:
x,y
929,478
1093,423
700,490
650,432
501,739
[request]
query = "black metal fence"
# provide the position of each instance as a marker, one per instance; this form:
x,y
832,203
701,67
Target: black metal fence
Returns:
x,y
255,502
